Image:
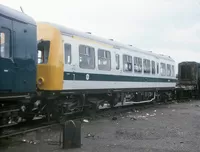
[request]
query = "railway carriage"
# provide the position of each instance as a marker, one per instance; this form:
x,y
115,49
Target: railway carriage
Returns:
x,y
18,62
18,58
188,80
78,63
77,70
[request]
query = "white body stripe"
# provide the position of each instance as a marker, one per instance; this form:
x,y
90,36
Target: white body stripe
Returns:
x,y
76,85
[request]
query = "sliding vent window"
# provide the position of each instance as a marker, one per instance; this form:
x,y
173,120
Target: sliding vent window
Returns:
x,y
137,65
146,65
169,71
68,56
127,62
43,51
153,66
104,60
86,57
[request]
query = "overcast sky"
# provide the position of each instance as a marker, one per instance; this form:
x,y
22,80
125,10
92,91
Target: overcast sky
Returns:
x,y
170,27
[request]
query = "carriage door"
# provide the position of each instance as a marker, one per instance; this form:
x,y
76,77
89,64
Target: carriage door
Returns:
x,y
68,67
6,63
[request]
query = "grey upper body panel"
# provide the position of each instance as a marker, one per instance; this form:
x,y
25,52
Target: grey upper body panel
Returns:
x,y
16,15
69,31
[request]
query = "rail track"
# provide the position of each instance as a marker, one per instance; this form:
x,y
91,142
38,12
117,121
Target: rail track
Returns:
x,y
91,114
26,129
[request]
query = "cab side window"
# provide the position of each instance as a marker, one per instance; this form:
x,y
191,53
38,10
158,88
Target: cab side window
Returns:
x,y
43,51
5,44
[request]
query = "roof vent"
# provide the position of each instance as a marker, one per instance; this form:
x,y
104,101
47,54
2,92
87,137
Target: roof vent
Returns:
x,y
111,39
88,32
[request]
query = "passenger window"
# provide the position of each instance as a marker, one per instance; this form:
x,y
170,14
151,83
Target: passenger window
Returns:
x,y
169,70
173,71
43,51
146,66
157,68
127,62
104,60
117,60
137,65
67,48
5,44
86,57
163,69
153,67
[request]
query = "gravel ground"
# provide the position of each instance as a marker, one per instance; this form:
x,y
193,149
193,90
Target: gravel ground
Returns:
x,y
163,128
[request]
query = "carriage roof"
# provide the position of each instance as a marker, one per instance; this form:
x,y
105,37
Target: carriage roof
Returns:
x,y
71,32
16,15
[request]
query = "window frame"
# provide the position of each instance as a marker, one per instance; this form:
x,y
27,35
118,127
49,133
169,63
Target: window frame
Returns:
x,y
129,63
108,59
93,50
163,74
136,63
44,57
149,66
169,65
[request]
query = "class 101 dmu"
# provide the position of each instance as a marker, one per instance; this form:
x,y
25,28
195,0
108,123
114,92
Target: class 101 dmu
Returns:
x,y
50,70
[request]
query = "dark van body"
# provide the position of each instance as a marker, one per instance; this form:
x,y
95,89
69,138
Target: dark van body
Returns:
x,y
18,55
189,77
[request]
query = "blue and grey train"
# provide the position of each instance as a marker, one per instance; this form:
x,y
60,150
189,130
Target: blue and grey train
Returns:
x,y
51,70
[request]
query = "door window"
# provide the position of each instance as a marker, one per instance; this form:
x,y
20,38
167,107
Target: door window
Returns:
x,y
67,48
153,67
117,60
